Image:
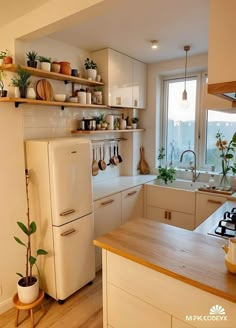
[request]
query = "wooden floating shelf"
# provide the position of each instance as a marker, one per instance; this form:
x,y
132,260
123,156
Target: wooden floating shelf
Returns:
x,y
51,75
104,131
62,104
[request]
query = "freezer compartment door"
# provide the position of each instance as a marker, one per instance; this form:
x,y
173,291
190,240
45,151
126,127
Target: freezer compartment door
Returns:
x,y
74,256
70,179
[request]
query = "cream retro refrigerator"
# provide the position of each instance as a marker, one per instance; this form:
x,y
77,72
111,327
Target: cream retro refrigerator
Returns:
x,y
61,205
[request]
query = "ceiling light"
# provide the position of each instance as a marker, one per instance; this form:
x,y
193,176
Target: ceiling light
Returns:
x,y
184,95
154,44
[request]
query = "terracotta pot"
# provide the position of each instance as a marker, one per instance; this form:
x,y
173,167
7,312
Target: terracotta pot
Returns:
x,y
8,60
55,67
65,68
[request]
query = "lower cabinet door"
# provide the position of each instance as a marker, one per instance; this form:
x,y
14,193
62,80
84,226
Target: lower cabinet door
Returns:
x,y
176,323
126,311
132,203
178,219
107,216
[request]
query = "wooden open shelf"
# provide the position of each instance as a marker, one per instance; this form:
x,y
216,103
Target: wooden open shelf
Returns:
x,y
104,131
62,104
52,75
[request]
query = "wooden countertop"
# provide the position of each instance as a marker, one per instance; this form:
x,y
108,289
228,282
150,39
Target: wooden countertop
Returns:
x,y
188,256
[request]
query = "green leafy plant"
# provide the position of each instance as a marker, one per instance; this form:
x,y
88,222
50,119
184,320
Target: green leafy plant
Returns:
x,y
44,59
2,75
99,88
29,229
135,120
32,55
165,173
3,54
226,151
89,64
22,78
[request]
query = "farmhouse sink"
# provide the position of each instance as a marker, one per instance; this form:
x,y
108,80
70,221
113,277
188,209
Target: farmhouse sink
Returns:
x,y
180,184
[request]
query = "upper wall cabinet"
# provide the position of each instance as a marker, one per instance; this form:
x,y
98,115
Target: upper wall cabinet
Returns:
x,y
124,79
222,49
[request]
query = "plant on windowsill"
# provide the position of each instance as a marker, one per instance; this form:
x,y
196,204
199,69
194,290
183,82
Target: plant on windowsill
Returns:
x,y
28,286
165,173
227,154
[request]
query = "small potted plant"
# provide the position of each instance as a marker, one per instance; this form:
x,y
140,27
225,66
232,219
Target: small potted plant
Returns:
x,y
165,173
7,58
134,122
21,80
45,63
91,68
97,95
3,93
2,56
32,59
28,285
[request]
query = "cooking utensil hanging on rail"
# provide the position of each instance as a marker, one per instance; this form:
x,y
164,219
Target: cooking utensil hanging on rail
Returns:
x,y
95,167
102,164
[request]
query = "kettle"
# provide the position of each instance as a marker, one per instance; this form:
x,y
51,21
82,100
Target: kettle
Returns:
x,y
230,256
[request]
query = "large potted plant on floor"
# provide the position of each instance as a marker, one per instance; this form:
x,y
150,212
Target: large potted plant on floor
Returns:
x,y
28,285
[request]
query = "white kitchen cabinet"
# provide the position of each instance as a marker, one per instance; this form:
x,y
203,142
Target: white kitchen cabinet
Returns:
x,y
176,323
170,205
206,204
178,219
107,216
124,78
126,310
132,203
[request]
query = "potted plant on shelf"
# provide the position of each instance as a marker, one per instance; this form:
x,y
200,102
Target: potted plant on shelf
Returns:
x,y
165,173
134,122
97,95
3,93
28,285
45,63
32,59
22,81
2,56
91,69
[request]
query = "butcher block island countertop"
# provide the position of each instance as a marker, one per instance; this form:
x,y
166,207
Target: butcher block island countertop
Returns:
x,y
190,257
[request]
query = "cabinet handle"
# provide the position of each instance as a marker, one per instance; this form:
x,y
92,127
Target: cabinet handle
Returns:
x,y
68,232
166,214
169,216
214,201
132,193
107,202
67,212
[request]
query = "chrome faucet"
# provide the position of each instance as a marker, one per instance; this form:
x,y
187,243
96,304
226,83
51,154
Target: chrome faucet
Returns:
x,y
193,169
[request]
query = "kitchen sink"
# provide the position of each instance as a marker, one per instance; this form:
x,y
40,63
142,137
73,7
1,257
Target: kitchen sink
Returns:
x,y
180,184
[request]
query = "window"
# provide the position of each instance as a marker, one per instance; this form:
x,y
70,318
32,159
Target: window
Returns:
x,y
224,122
179,134
193,127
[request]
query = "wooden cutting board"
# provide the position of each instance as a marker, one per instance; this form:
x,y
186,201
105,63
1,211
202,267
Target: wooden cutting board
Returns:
x,y
143,165
44,90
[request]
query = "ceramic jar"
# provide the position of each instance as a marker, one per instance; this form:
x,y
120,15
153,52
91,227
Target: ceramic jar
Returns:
x,y
82,96
123,124
55,67
65,68
30,93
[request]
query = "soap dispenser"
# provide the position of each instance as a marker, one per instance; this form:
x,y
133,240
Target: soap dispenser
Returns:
x,y
212,182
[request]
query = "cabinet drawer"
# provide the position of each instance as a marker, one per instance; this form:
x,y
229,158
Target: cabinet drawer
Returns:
x,y
206,204
125,311
178,219
132,203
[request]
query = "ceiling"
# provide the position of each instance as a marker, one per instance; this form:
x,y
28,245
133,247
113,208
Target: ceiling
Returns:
x,y
129,25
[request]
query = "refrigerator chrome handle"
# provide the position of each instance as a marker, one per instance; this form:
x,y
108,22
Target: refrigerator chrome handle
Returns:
x,y
67,212
68,232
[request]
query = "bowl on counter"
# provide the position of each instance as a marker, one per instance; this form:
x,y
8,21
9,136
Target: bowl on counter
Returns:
x,y
73,99
59,96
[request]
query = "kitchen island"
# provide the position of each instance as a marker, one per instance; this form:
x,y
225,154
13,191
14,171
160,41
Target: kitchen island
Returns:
x,y
157,275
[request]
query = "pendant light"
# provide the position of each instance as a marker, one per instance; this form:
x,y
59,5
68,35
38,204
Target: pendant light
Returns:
x,y
184,95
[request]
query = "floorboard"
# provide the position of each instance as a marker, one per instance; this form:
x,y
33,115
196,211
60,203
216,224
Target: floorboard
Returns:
x,y
81,310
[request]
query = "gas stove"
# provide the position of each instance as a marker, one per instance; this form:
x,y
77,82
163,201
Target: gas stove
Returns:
x,y
225,228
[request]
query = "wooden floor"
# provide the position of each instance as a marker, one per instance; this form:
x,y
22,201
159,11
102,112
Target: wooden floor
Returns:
x,y
81,310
